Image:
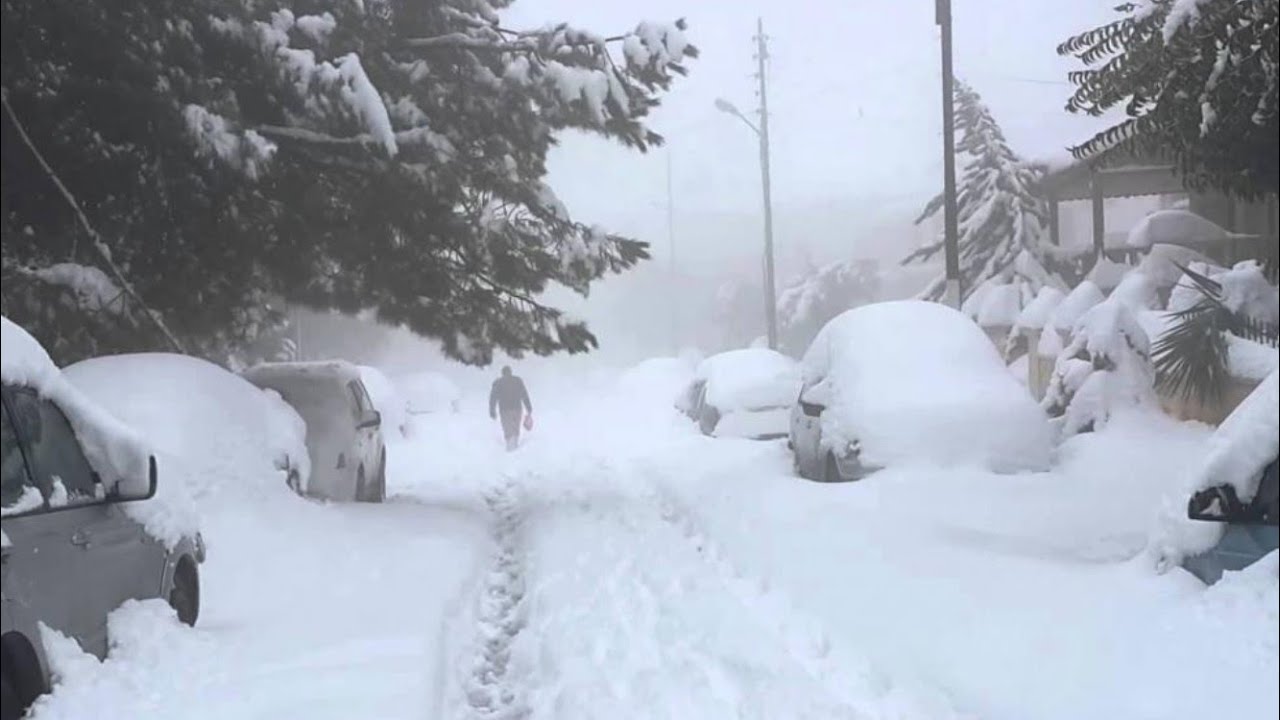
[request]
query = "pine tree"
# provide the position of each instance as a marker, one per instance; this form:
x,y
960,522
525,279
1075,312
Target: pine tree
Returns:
x,y
1000,217
384,156
806,305
1197,80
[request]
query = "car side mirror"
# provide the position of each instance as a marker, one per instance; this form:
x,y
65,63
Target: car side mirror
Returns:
x,y
811,409
1216,504
372,420
130,492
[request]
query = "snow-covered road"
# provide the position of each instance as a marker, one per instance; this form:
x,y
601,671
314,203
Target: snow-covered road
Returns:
x,y
619,565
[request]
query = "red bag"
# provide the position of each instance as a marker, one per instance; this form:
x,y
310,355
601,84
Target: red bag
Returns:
x,y
528,422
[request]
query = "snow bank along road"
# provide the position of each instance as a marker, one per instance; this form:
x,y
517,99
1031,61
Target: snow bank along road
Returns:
x,y
621,566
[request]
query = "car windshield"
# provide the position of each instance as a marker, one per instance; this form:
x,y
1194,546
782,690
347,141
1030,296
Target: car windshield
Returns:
x,y
688,359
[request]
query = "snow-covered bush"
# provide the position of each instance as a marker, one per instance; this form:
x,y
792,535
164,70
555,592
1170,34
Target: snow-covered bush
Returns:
x,y
1105,367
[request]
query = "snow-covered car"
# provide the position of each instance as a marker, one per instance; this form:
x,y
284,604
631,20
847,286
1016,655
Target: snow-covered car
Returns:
x,y
82,529
213,424
428,392
344,437
911,381
742,393
1238,488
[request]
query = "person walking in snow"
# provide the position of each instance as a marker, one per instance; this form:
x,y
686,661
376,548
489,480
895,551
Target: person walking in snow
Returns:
x,y
509,399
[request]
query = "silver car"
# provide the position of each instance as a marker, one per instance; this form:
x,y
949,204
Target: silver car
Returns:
x,y
71,555
344,437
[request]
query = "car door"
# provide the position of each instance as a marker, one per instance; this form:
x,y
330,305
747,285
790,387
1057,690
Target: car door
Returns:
x,y
99,554
806,433
370,434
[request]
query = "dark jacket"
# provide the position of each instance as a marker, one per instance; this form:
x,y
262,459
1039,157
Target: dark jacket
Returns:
x,y
509,394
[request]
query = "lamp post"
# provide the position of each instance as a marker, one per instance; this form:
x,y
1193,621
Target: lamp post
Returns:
x,y
951,232
762,132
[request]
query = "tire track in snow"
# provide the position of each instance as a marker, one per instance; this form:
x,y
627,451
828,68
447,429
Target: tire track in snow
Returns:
x,y
488,692
852,681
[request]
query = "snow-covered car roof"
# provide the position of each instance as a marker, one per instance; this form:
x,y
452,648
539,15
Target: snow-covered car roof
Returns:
x,y
914,380
750,378
117,452
335,369
218,426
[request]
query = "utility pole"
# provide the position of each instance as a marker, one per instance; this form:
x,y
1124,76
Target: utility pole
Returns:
x,y
951,242
771,301
674,299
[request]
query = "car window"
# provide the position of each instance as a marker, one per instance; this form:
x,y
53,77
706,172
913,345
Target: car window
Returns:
x,y
18,492
358,394
56,459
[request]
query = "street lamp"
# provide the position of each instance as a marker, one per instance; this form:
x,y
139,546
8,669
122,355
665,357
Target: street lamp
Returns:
x,y
762,132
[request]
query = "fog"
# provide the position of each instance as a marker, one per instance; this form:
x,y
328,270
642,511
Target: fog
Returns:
x,y
855,126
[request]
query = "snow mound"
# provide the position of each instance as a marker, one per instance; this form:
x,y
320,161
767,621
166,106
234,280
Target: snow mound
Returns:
x,y
1037,312
1137,291
117,452
1000,306
1107,273
917,381
1176,227
218,431
1074,305
1164,263
749,379
1247,292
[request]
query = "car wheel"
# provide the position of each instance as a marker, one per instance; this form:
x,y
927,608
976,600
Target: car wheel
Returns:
x,y
831,473
184,598
21,681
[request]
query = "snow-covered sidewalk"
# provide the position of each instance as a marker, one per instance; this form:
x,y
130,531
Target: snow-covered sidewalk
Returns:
x,y
308,611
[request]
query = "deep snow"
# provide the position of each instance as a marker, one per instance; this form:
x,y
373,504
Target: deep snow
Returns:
x,y
619,564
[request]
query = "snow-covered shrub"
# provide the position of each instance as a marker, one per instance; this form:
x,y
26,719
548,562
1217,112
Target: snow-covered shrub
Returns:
x,y
1106,366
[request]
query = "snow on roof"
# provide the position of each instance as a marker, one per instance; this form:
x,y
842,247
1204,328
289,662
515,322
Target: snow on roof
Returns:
x,y
1036,313
218,431
750,378
119,455
336,369
1075,304
1177,227
1136,291
1001,306
914,380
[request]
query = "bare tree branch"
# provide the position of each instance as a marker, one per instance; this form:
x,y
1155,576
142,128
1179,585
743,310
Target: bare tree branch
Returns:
x,y
104,252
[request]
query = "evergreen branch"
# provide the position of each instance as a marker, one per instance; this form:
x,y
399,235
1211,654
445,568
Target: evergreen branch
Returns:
x,y
99,245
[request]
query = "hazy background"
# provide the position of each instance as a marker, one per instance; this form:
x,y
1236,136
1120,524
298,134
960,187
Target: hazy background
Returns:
x,y
855,112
